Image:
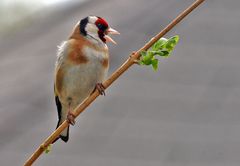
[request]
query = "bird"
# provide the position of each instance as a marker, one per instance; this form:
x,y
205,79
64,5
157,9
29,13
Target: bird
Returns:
x,y
81,67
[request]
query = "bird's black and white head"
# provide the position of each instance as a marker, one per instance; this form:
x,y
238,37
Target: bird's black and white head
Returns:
x,y
96,28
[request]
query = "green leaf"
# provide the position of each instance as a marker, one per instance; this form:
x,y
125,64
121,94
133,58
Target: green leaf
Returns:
x,y
143,53
146,60
171,43
163,47
155,64
159,44
161,53
165,53
156,46
48,149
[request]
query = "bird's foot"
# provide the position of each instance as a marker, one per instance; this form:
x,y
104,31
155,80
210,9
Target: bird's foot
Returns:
x,y
71,118
100,88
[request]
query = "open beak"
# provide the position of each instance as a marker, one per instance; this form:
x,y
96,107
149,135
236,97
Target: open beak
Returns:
x,y
111,31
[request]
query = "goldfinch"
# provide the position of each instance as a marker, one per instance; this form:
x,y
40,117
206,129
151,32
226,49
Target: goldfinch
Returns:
x,y
81,67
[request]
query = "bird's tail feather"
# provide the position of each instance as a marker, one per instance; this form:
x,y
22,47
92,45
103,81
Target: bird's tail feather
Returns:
x,y
65,133
61,117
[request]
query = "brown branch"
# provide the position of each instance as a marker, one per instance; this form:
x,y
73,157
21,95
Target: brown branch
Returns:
x,y
128,63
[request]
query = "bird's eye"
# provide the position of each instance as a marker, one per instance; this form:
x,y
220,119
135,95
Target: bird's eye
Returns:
x,y
101,26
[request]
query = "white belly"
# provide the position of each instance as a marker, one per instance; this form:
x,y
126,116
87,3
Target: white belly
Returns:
x,y
80,80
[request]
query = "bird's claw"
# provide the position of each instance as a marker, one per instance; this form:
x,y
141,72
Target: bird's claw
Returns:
x,y
100,88
71,118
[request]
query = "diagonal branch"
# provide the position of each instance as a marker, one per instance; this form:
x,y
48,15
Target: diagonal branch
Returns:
x,y
128,63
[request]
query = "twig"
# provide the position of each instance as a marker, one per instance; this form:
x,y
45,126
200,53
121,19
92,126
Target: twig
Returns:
x,y
128,63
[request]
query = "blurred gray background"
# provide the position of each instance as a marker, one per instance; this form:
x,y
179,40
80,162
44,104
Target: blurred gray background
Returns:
x,y
186,114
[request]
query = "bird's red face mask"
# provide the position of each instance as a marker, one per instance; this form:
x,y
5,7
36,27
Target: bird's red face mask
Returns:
x,y
104,31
